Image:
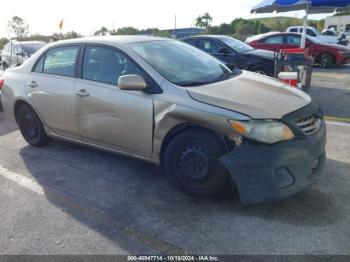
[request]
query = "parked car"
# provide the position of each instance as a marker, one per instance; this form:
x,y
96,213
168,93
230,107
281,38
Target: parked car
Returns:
x,y
15,53
170,103
235,53
313,32
324,54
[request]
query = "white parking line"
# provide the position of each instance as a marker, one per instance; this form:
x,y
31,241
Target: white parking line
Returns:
x,y
22,181
333,123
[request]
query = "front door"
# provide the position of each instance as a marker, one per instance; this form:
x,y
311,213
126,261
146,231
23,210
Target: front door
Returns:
x,y
108,116
220,51
50,88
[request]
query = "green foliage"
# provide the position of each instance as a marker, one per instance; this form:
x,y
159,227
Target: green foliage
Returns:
x,y
204,21
125,31
66,36
18,26
320,24
102,31
342,13
3,42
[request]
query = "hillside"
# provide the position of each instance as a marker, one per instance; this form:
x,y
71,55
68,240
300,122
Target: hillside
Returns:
x,y
282,22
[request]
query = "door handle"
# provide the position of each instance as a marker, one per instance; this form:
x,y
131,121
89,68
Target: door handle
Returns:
x,y
82,93
33,84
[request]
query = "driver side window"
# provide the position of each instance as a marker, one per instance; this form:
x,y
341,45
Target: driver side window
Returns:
x,y
210,46
106,65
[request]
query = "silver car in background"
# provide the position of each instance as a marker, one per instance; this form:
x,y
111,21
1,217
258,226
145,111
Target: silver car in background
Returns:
x,y
15,53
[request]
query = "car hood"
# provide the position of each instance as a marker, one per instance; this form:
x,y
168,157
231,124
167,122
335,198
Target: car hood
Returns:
x,y
262,53
257,96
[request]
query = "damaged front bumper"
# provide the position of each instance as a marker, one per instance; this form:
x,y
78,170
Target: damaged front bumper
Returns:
x,y
265,173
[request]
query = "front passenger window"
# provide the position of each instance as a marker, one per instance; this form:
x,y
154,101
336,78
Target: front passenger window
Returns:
x,y
106,65
210,46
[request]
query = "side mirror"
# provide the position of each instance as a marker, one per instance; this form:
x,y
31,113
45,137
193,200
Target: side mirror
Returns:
x,y
132,82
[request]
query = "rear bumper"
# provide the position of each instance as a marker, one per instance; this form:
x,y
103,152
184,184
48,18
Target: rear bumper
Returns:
x,y
270,173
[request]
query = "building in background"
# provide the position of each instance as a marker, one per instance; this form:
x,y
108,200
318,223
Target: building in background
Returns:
x,y
184,32
340,23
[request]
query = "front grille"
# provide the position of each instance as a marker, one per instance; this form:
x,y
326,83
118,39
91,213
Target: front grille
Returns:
x,y
309,125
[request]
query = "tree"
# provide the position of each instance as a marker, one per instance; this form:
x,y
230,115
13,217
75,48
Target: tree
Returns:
x,y
125,31
204,21
71,35
18,26
3,42
245,29
102,31
320,24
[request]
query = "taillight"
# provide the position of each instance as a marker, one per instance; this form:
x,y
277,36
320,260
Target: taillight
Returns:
x,y
1,83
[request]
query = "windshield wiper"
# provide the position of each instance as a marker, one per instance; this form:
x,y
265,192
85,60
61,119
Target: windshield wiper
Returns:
x,y
224,76
194,83
221,77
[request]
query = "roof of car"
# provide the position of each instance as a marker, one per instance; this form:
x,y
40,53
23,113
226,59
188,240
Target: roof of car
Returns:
x,y
261,36
129,39
206,36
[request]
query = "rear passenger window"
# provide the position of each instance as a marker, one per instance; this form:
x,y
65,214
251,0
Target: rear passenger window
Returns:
x,y
293,30
106,65
61,61
274,40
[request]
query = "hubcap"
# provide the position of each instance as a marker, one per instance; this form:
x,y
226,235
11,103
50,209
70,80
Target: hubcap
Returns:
x,y
30,125
196,165
324,61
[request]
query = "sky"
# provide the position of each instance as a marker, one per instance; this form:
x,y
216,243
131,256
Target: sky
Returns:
x,y
85,17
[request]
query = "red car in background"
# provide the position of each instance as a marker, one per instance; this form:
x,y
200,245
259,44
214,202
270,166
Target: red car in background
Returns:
x,y
324,54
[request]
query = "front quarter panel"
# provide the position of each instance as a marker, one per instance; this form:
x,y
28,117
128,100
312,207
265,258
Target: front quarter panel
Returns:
x,y
175,107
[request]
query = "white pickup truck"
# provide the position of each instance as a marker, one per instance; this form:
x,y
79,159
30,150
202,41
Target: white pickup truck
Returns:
x,y
312,31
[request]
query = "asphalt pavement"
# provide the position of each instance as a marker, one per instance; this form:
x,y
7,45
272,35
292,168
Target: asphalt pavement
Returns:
x,y
68,199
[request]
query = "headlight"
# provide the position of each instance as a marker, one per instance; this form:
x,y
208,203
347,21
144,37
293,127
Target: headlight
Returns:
x,y
264,131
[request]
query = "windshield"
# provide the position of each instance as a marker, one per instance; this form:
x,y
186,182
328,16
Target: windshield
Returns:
x,y
314,40
31,48
181,63
236,45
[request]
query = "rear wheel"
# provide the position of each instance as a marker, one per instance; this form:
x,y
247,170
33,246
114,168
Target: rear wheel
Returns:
x,y
31,127
325,60
192,161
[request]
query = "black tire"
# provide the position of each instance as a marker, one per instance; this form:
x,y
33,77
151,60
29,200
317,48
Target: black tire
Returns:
x,y
4,66
191,160
31,127
325,60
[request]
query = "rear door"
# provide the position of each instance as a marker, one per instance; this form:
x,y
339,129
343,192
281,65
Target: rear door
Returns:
x,y
51,89
108,116
292,41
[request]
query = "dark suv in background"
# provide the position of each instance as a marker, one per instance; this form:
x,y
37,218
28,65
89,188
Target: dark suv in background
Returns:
x,y
235,53
15,53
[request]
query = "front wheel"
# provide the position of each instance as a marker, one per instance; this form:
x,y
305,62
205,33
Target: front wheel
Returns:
x,y
325,60
31,127
192,161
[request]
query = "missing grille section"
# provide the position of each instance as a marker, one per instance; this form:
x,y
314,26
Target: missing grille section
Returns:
x,y
309,125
